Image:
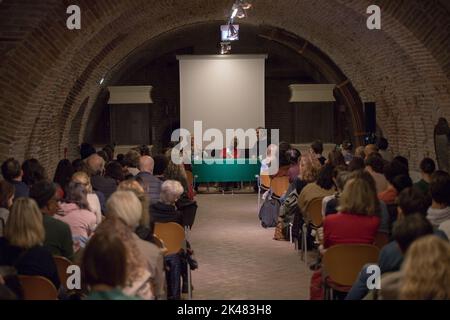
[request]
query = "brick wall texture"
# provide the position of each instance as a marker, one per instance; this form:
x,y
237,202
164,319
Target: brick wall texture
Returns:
x,y
47,73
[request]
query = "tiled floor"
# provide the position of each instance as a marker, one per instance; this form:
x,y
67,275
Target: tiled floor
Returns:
x,y
238,258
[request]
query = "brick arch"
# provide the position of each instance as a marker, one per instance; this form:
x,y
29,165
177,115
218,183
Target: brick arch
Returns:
x,y
75,126
403,68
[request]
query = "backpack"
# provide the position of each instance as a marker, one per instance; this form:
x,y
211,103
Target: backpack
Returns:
x,y
268,214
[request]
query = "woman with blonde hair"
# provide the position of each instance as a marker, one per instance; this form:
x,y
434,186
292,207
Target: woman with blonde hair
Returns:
x,y
22,247
125,206
136,188
426,270
138,277
92,198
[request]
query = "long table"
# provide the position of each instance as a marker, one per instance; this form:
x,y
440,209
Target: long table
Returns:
x,y
226,170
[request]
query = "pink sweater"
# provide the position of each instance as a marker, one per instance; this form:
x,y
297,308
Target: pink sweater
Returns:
x,y
81,222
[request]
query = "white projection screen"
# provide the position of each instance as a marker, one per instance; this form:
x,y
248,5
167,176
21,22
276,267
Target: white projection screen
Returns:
x,y
223,91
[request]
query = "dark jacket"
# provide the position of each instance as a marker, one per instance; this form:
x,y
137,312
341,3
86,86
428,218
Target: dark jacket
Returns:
x,y
152,186
105,185
22,190
36,261
58,237
162,213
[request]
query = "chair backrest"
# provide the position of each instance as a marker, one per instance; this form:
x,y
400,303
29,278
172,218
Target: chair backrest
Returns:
x,y
314,212
62,264
342,263
172,234
265,181
37,288
381,239
160,244
190,177
279,185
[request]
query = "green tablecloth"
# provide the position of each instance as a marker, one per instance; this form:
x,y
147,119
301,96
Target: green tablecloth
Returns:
x,y
227,170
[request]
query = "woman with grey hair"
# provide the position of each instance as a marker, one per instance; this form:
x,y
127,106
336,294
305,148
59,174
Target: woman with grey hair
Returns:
x,y
165,210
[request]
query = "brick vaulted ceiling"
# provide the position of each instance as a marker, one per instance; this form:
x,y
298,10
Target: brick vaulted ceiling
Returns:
x,y
47,72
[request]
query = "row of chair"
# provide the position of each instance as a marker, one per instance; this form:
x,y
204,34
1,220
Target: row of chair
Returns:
x,y
341,263
171,236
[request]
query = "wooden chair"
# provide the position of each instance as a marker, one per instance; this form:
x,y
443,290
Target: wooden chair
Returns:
x,y
381,239
279,186
342,265
160,244
37,288
174,237
312,216
62,264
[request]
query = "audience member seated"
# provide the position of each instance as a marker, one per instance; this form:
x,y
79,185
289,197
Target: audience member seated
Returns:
x,y
177,172
76,213
347,148
375,166
294,157
165,210
143,230
161,163
107,184
427,168
22,247
424,275
270,159
86,150
92,197
317,150
33,172
132,162
63,173
336,158
398,179
95,165
383,145
6,201
356,164
369,149
109,150
125,206
358,206
152,185
58,236
105,267
404,162
406,231
12,172
103,155
139,280
360,152
80,165
324,186
330,203
439,212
